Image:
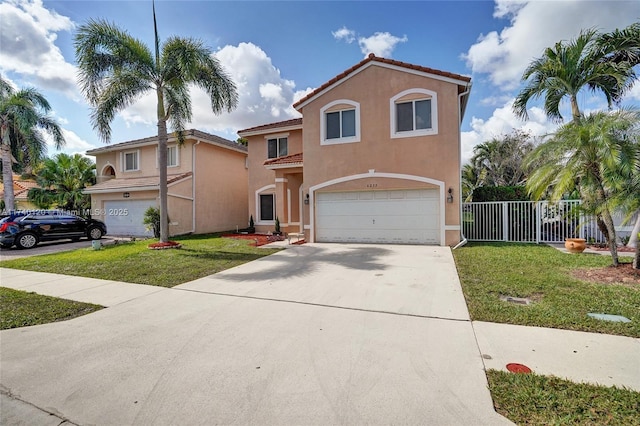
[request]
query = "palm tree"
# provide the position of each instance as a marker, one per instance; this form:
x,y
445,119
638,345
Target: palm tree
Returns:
x,y
501,159
115,69
23,115
593,60
592,156
62,180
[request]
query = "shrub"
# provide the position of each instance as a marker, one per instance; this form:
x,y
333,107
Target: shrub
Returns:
x,y
500,193
152,220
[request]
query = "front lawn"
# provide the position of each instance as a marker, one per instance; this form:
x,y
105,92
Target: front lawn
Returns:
x,y
543,274
21,309
531,399
133,262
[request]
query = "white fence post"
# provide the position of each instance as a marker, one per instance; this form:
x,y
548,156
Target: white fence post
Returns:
x,y
538,207
505,221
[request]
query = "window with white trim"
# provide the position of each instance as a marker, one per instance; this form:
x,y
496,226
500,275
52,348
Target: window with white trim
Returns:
x,y
277,147
131,161
172,156
267,207
340,122
414,113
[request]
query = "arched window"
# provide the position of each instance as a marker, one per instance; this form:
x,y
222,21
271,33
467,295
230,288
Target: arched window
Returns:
x,y
414,112
340,122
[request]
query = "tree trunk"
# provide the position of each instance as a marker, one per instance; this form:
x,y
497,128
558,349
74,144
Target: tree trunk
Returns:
x,y
613,247
7,171
162,167
633,239
636,259
602,227
575,111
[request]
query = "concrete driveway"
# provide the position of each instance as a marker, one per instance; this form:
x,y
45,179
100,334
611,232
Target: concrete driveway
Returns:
x,y
316,334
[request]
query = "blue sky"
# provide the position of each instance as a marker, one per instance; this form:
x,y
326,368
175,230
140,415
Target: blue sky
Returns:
x,y
276,52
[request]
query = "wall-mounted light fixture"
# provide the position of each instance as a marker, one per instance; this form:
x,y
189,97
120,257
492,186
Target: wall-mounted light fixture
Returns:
x,y
450,196
306,199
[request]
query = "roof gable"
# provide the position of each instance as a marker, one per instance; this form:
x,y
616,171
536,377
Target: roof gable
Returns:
x,y
266,128
373,60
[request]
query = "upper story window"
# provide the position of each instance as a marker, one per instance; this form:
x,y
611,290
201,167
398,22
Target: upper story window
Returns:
x,y
277,147
131,161
340,122
414,112
172,156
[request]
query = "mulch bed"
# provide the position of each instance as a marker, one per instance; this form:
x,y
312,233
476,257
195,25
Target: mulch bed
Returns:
x,y
260,239
621,249
163,246
623,274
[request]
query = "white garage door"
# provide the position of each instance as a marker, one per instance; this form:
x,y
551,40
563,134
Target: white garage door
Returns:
x,y
124,218
390,217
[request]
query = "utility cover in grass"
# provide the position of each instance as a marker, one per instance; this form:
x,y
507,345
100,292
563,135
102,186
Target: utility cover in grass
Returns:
x,y
609,317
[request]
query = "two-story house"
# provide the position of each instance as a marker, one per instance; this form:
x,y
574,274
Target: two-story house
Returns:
x,y
375,158
206,178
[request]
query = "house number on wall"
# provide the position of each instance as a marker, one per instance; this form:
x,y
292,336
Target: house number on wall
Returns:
x,y
372,185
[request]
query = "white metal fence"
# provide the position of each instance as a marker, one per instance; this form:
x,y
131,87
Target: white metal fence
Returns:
x,y
534,222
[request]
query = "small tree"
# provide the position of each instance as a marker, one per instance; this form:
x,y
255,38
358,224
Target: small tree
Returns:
x,y
278,232
152,220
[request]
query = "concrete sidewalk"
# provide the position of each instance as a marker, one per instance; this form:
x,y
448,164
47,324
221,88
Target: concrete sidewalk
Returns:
x,y
89,290
596,358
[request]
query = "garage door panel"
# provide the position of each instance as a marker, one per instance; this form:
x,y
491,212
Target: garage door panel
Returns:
x,y
385,207
395,216
125,217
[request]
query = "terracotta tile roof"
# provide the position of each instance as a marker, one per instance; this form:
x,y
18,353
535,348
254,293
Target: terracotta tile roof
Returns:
x,y
20,187
124,184
279,124
373,58
287,159
191,133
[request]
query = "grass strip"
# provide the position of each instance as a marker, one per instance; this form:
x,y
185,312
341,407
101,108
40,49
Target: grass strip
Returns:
x,y
21,309
531,399
134,262
542,273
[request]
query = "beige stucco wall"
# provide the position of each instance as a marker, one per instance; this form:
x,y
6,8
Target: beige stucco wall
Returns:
x,y
434,156
221,180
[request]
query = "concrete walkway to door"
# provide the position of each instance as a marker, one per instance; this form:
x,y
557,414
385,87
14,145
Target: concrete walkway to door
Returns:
x,y
316,334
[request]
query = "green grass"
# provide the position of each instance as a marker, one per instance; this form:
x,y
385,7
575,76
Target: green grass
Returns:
x,y
21,309
531,399
542,272
133,262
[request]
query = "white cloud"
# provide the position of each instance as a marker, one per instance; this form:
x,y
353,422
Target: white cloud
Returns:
x,y
380,44
345,34
74,144
27,39
634,93
536,25
502,122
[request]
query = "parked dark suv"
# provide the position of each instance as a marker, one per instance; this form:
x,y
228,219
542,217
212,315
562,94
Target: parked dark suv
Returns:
x,y
26,229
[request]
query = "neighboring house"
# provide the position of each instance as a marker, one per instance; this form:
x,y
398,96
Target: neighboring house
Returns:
x,y
207,184
21,189
375,158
